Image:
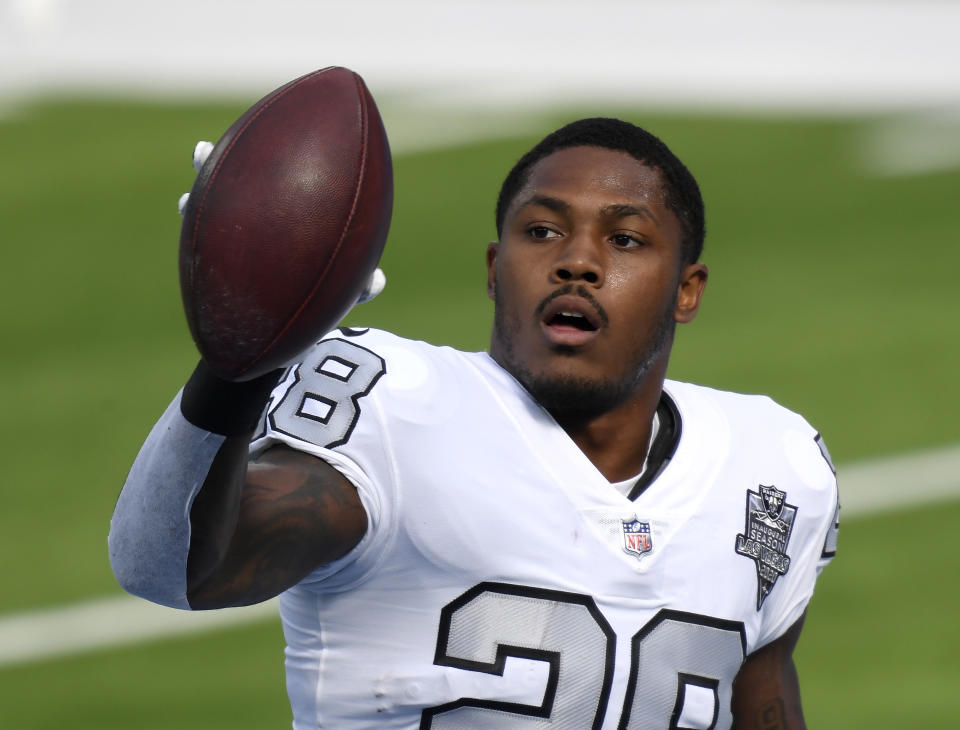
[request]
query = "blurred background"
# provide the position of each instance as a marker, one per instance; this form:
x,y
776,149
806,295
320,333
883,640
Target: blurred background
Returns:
x,y
826,139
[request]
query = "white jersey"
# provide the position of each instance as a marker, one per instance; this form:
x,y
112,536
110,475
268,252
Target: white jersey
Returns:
x,y
504,583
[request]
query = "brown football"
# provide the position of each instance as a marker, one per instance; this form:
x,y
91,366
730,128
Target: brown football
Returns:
x,y
285,223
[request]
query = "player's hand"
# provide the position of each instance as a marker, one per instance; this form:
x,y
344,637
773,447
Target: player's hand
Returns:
x,y
376,282
200,154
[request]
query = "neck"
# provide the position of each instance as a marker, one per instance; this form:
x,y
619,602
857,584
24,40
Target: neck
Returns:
x,y
616,440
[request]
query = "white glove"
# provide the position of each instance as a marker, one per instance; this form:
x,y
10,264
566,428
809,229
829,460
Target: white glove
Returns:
x,y
200,154
377,280
375,285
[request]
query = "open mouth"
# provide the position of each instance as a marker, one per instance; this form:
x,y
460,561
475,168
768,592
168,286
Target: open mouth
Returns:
x,y
574,320
571,320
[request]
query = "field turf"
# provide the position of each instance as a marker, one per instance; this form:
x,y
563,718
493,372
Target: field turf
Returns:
x,y
832,289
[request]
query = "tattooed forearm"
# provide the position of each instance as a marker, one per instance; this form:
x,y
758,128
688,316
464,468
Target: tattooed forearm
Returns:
x,y
293,522
766,693
771,716
295,514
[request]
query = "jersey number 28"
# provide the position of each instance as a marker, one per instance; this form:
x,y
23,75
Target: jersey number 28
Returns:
x,y
681,673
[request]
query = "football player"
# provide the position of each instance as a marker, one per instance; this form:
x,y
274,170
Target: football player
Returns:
x,y
551,534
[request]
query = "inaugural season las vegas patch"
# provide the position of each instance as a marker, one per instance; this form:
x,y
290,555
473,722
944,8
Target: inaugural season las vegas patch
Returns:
x,y
765,538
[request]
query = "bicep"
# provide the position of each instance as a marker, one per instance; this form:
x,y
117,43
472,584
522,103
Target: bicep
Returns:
x,y
296,513
766,692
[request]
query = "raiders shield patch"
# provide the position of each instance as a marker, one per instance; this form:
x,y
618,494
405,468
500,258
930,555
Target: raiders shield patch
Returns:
x,y
765,538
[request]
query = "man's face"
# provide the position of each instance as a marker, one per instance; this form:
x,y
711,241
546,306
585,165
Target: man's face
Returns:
x,y
588,281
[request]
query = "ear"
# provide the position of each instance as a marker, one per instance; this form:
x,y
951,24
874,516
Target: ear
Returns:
x,y
492,268
693,280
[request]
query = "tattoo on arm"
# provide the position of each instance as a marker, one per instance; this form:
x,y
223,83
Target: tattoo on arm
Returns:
x,y
766,692
296,513
771,716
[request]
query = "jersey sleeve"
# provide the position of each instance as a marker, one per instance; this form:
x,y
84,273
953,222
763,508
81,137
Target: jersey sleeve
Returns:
x,y
814,539
328,406
830,541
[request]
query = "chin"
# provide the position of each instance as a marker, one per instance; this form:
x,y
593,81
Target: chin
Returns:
x,y
568,391
575,395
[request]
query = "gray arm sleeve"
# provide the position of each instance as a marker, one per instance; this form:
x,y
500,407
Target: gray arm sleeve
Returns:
x,y
150,530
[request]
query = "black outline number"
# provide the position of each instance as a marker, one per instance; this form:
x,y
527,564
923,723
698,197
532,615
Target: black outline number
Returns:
x,y
679,650
672,654
323,407
530,623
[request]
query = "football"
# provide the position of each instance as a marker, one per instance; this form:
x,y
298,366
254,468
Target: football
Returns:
x,y
285,223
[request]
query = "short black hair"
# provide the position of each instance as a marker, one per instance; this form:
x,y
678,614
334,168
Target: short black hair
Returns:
x,y
681,194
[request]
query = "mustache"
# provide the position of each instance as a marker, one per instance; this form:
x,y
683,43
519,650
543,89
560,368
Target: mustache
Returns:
x,y
581,291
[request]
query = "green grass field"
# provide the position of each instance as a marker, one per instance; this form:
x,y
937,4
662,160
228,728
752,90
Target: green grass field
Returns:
x,y
831,289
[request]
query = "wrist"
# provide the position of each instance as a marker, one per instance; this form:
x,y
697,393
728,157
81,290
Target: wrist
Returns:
x,y
223,406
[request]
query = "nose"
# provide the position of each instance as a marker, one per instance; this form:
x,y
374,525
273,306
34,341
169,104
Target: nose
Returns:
x,y
578,260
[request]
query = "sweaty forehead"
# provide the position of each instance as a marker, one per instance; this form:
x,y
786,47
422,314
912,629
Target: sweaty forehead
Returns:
x,y
594,170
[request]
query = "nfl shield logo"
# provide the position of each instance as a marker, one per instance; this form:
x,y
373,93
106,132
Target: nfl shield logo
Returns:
x,y
637,540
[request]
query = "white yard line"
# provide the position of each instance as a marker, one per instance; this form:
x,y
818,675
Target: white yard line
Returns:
x,y
912,144
866,488
888,483
109,622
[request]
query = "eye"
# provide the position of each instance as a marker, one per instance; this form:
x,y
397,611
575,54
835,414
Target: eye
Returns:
x,y
541,232
625,240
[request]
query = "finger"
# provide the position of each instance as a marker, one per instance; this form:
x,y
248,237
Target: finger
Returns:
x,y
375,285
200,154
